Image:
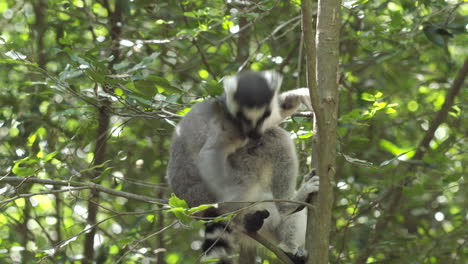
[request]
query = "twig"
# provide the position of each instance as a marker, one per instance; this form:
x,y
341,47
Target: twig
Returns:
x,y
304,114
271,35
25,195
194,42
443,112
89,227
133,246
308,32
276,250
88,185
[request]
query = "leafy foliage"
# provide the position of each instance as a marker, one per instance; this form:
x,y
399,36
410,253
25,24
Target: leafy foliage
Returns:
x,y
145,63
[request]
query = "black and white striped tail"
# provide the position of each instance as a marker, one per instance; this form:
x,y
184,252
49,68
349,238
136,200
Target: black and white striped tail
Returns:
x,y
217,242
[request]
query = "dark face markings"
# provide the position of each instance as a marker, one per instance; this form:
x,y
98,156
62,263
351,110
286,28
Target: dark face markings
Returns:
x,y
253,90
265,115
253,95
252,128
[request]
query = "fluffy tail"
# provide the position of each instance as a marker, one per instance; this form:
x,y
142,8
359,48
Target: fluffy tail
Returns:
x,y
218,239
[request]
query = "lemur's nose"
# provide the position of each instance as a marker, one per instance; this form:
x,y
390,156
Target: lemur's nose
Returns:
x,y
254,135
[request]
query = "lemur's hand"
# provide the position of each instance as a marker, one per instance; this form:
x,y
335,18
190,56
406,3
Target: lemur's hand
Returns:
x,y
311,183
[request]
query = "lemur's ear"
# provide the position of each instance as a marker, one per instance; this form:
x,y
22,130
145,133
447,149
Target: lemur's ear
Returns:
x,y
230,87
273,78
230,84
291,100
288,102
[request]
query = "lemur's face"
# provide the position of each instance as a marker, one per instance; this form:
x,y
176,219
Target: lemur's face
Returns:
x,y
251,98
251,120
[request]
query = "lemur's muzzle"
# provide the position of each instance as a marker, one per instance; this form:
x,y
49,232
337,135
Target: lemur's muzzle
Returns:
x,y
254,135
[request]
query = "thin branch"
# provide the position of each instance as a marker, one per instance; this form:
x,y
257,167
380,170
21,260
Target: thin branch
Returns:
x,y
200,51
270,36
443,112
270,246
299,61
90,227
260,239
304,114
308,32
26,195
133,246
88,185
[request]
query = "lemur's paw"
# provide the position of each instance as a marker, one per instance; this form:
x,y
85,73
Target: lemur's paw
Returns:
x,y
254,221
311,174
311,184
299,257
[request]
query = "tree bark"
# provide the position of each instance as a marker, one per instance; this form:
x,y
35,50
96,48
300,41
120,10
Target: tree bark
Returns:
x,y
99,158
322,79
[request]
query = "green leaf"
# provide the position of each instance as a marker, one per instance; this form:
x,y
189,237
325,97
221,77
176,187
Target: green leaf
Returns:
x,y
368,97
226,217
144,63
25,167
395,150
305,134
200,208
31,139
97,76
103,175
3,6
354,115
386,162
436,34
359,161
50,156
146,88
77,58
180,209
163,83
453,177
175,202
70,73
19,62
181,214
137,99
191,14
96,166
203,74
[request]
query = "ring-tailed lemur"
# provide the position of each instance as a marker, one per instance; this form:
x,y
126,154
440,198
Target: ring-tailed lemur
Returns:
x,y
229,149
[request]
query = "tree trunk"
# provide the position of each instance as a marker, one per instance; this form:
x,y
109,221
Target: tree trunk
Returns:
x,y
99,158
115,22
322,79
